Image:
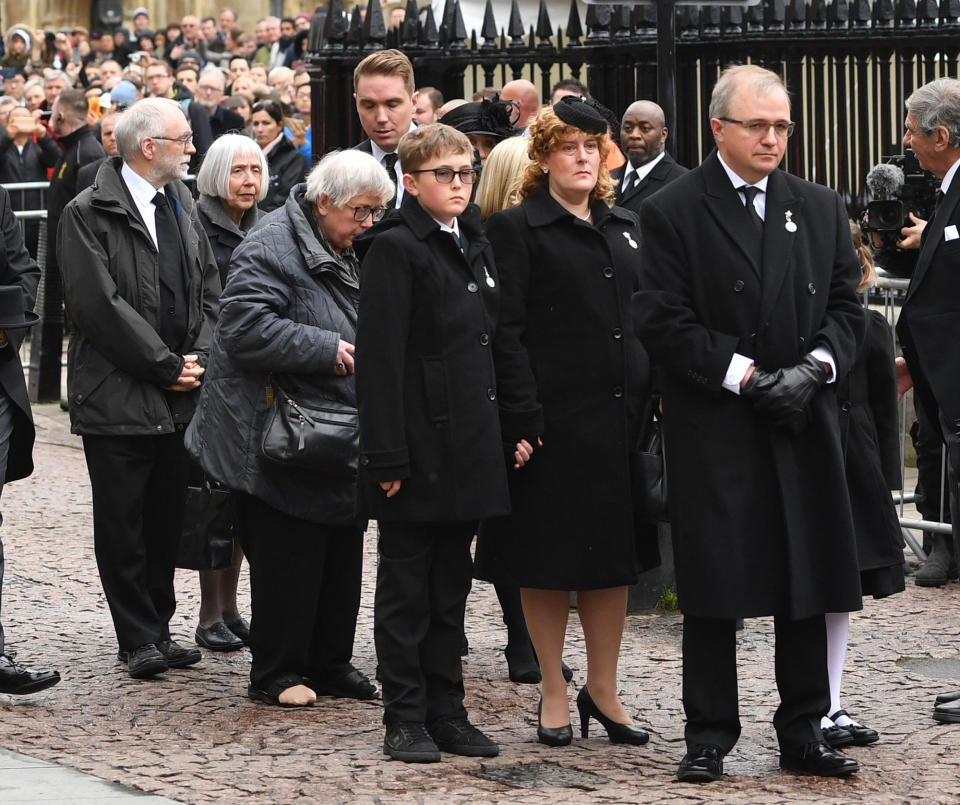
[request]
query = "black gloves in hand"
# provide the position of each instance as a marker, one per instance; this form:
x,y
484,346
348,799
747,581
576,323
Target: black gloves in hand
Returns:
x,y
785,395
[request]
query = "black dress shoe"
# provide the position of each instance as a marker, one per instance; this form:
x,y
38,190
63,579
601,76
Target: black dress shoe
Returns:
x,y
818,759
218,638
702,764
948,713
617,733
178,656
837,736
410,742
552,736
946,698
859,734
351,685
17,680
241,629
459,737
143,661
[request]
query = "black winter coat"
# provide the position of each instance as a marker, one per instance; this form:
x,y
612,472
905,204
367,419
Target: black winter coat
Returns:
x,y
16,268
279,314
224,235
117,364
760,519
288,167
571,369
79,148
29,165
870,433
425,373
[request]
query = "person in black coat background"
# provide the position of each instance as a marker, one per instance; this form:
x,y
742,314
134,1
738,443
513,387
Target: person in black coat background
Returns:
x,y
288,166
737,289
571,370
643,133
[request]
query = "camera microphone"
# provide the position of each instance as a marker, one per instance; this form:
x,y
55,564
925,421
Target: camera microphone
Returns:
x,y
885,181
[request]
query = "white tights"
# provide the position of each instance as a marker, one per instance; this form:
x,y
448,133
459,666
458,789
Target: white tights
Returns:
x,y
838,631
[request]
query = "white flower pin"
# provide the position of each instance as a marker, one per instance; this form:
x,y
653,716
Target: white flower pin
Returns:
x,y
790,226
630,240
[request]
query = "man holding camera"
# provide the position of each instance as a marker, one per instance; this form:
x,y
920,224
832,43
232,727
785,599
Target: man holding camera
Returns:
x,y
931,311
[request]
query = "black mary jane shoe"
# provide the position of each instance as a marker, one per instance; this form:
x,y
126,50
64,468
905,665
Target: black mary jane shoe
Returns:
x,y
702,764
859,734
217,637
817,759
616,732
837,737
552,736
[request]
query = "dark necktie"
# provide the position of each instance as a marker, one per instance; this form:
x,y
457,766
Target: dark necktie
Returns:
x,y
937,199
751,193
390,163
173,293
456,239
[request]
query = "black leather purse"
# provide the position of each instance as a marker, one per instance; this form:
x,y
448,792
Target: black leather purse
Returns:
x,y
650,476
322,437
209,525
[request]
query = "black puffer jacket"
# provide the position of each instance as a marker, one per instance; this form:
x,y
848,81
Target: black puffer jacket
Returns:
x,y
278,315
288,167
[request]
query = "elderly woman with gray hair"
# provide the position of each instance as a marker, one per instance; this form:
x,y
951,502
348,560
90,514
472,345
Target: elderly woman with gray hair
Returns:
x,y
231,181
286,333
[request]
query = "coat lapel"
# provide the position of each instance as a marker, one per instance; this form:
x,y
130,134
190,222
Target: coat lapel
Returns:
x,y
933,235
725,205
778,240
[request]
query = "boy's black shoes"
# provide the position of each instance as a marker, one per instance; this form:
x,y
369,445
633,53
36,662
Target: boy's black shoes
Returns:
x,y
702,764
410,742
459,737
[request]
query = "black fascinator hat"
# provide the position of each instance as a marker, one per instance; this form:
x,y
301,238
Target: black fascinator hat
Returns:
x,y
581,114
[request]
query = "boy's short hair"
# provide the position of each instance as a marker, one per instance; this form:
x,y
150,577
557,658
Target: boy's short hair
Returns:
x,y
419,146
386,62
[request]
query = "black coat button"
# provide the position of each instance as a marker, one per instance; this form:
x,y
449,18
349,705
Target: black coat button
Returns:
x,y
845,406
473,287
607,272
811,289
171,310
617,391
364,460
738,286
484,339
617,333
491,394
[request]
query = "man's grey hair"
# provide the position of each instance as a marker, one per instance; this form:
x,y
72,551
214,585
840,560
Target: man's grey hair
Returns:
x,y
213,178
214,71
54,75
937,104
341,175
143,119
762,80
33,82
8,100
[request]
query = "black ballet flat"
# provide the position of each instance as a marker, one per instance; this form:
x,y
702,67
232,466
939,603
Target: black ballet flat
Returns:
x,y
552,736
617,733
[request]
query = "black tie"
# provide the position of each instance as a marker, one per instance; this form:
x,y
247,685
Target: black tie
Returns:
x,y
173,293
938,197
456,239
751,193
390,163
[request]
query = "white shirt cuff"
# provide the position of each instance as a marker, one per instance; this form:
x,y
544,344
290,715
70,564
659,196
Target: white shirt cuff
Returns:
x,y
823,355
736,372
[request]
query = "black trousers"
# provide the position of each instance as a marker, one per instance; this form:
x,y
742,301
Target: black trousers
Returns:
x,y
139,484
423,579
710,681
304,594
951,438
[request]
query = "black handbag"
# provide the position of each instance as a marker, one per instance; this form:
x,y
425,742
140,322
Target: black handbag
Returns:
x,y
650,476
209,525
322,437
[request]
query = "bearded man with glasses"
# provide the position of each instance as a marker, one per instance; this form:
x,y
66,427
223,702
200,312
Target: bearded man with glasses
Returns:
x,y
747,304
141,285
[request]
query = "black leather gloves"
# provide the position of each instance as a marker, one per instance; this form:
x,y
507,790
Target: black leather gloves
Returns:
x,y
784,395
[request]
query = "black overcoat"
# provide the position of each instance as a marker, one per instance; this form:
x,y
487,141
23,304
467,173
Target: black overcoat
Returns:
x,y
761,519
870,434
288,167
425,373
16,268
572,369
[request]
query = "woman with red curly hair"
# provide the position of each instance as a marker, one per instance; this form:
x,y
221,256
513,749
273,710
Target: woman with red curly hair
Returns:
x,y
572,374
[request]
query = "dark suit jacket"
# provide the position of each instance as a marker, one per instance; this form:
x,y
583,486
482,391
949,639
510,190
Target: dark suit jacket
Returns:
x,y
756,512
930,318
666,171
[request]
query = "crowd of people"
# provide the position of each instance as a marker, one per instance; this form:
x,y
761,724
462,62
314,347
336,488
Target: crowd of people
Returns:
x,y
361,341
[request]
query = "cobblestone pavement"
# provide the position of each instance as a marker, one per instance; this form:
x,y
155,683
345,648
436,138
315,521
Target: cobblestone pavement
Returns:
x,y
193,736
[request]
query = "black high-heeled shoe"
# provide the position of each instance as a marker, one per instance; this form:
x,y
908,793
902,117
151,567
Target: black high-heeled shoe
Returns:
x,y
617,733
552,736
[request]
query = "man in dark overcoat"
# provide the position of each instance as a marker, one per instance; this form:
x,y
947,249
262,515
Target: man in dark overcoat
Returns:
x,y
19,277
747,305
142,287
649,168
930,316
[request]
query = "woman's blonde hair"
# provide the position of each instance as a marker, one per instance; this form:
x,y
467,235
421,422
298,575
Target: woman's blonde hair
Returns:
x,y
868,274
546,133
499,185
